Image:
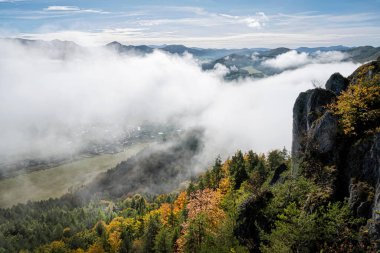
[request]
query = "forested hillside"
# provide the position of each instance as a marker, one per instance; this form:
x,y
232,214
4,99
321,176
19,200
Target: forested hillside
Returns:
x,y
249,203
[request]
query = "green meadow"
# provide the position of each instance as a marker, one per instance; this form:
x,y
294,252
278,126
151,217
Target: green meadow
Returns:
x,y
56,181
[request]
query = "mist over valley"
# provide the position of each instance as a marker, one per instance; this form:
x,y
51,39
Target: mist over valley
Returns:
x,y
72,101
163,126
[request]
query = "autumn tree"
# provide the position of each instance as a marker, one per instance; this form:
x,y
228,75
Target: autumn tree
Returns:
x,y
358,108
167,214
180,203
204,219
96,248
54,247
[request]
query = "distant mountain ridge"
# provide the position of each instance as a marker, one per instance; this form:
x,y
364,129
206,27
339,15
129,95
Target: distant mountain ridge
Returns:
x,y
251,65
361,53
322,49
242,63
206,53
124,49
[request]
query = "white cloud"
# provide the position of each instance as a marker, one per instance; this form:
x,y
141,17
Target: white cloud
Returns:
x,y
75,9
293,59
200,27
11,1
234,68
330,56
62,8
202,18
256,21
43,109
290,59
254,56
220,70
138,36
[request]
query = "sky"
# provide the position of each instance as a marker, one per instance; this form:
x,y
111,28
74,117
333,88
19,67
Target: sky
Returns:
x,y
197,23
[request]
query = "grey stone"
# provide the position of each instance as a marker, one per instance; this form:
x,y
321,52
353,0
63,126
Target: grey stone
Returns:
x,y
309,106
337,83
323,133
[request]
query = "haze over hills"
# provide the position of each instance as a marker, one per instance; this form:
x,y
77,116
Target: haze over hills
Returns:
x,y
241,63
184,106
234,64
61,72
322,197
359,54
190,126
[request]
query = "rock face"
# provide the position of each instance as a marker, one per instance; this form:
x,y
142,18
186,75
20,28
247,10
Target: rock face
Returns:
x,y
337,83
361,198
316,134
309,119
323,133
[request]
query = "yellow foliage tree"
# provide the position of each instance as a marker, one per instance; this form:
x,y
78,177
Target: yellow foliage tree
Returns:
x,y
165,211
114,241
96,248
180,203
55,247
115,224
225,185
120,224
78,251
226,168
358,107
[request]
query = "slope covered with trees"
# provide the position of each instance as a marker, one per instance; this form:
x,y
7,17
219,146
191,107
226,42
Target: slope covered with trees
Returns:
x,y
249,203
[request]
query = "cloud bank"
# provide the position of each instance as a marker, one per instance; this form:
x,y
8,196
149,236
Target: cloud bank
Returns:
x,y
69,8
293,59
62,8
51,106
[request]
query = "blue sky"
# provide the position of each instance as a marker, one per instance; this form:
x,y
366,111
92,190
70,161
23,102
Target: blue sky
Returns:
x,y
203,23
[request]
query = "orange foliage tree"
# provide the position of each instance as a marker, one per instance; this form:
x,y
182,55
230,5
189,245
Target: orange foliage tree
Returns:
x,y
204,219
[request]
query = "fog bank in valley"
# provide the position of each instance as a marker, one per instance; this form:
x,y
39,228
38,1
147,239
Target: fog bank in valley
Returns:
x,y
56,105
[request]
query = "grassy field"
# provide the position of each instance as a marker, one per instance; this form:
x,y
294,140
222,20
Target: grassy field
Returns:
x,y
251,70
56,181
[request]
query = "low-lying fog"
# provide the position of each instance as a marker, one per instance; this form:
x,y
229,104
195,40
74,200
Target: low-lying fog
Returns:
x,y
47,103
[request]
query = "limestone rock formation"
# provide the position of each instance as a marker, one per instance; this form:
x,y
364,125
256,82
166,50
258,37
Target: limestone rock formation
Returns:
x,y
308,110
317,135
337,83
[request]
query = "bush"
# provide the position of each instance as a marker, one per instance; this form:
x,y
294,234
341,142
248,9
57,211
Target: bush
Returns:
x,y
358,107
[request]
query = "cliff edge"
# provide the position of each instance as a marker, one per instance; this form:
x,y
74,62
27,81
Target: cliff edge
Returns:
x,y
336,140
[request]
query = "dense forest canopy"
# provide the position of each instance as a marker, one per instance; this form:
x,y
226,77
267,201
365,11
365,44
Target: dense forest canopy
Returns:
x,y
246,203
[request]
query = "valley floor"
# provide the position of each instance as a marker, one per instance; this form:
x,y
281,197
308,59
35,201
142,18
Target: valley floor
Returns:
x,y
56,181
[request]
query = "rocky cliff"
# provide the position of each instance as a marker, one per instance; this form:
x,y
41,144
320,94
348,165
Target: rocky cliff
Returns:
x,y
319,141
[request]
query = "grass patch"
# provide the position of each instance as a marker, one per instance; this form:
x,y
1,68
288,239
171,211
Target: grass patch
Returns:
x,y
55,182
